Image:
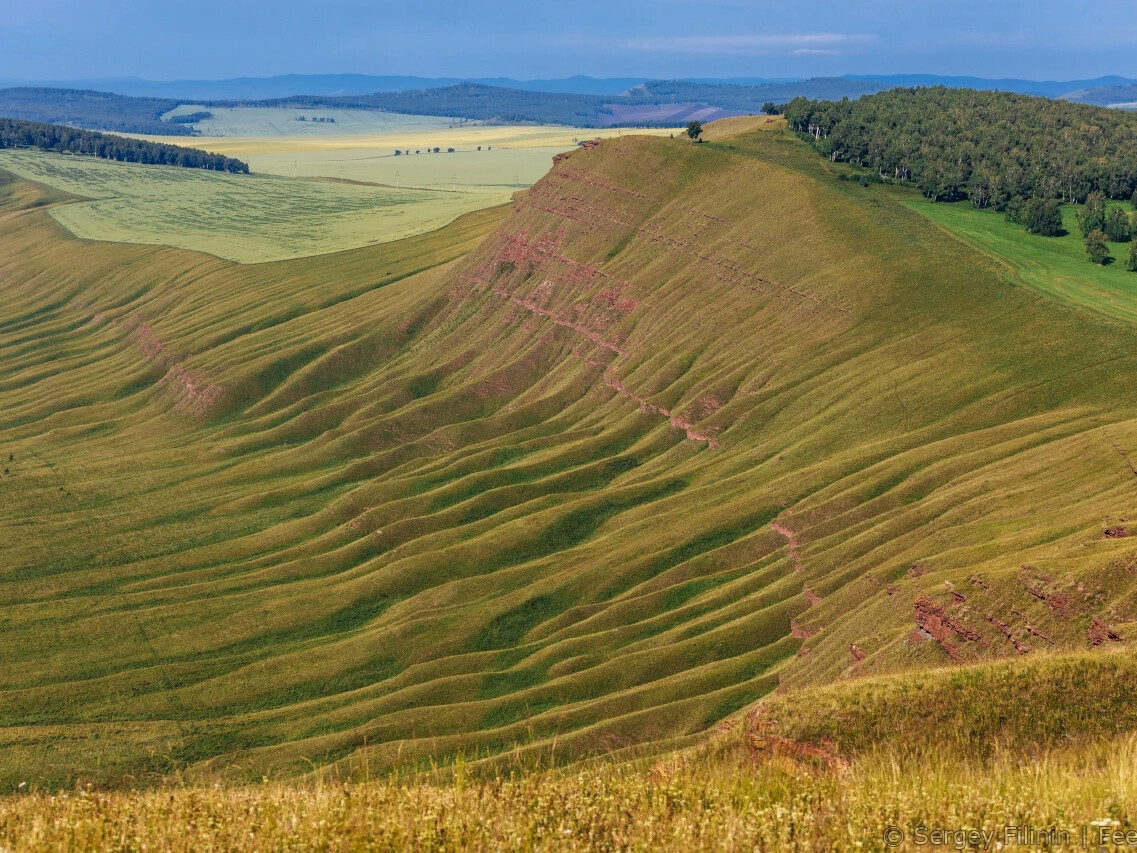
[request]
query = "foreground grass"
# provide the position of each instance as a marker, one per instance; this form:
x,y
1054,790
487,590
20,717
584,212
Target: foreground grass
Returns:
x,y
998,750
717,798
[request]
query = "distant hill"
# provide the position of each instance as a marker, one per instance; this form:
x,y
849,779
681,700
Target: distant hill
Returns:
x,y
1124,94
287,85
578,101
96,110
1045,88
749,98
479,102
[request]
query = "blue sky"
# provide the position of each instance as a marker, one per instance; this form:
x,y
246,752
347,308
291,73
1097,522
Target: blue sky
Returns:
x,y
210,39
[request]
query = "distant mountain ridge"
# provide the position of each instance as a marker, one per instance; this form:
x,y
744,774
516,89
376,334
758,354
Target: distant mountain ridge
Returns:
x,y
623,102
287,85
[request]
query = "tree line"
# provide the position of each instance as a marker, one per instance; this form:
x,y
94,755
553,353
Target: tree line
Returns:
x,y
997,149
15,133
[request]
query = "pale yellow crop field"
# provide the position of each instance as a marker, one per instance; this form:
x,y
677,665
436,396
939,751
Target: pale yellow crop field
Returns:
x,y
510,157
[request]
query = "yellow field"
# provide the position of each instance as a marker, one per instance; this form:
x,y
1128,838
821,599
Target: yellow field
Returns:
x,y
510,158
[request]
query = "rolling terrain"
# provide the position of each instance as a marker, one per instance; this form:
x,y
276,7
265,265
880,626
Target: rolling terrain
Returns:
x,y
245,218
686,424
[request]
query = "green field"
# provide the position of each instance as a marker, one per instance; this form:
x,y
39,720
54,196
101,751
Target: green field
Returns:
x,y
1056,266
584,477
245,218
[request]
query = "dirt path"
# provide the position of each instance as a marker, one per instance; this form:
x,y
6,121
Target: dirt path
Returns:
x,y
792,545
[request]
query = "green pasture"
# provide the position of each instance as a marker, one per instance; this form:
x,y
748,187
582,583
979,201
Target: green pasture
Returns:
x,y
246,218
1056,266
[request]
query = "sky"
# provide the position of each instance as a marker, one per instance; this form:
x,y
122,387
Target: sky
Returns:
x,y
215,39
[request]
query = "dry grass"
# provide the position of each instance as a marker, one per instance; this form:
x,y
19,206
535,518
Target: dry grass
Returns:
x,y
716,798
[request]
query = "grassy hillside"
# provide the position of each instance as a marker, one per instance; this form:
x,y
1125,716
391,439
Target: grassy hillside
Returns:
x,y
653,446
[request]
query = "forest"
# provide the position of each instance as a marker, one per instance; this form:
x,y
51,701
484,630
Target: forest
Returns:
x,y
996,149
15,133
83,108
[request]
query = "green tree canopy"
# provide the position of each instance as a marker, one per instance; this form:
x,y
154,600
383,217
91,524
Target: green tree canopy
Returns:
x,y
1092,216
1117,226
1096,249
1042,216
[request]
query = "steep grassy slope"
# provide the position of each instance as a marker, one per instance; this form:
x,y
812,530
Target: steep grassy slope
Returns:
x,y
691,421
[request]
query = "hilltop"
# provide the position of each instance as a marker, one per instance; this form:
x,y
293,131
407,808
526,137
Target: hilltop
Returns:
x,y
586,479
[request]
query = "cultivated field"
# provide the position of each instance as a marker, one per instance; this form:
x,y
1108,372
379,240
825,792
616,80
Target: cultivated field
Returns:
x,y
486,159
582,477
245,218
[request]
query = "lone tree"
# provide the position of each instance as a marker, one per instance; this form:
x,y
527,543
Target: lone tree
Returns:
x,y
1117,227
695,130
1096,249
1092,217
1042,216
1131,264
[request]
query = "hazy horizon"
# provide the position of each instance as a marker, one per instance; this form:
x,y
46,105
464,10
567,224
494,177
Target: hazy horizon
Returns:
x,y
506,38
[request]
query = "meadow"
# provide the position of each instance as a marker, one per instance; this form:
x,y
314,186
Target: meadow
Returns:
x,y
1056,266
245,218
581,477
